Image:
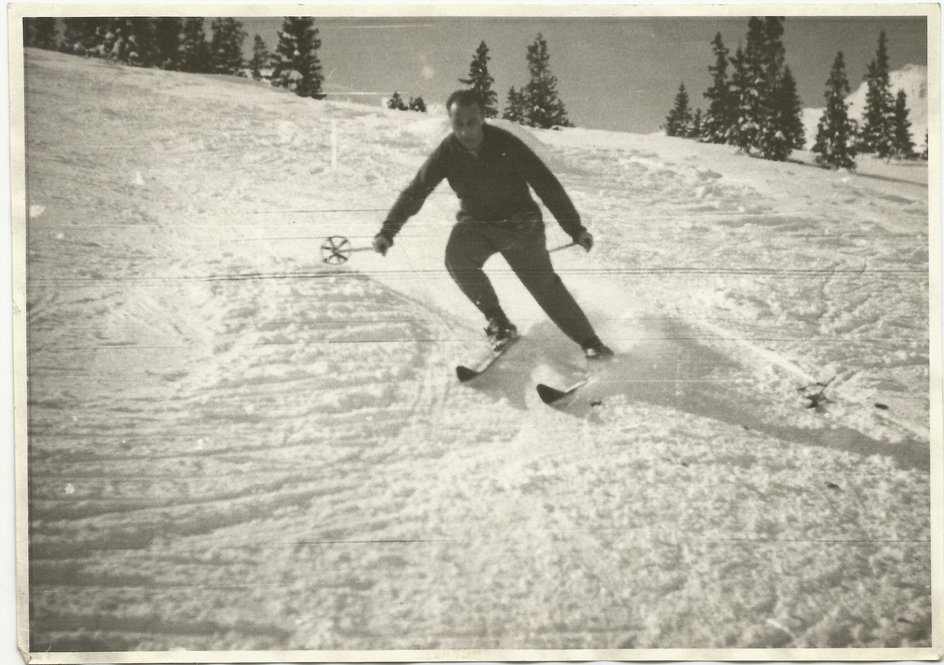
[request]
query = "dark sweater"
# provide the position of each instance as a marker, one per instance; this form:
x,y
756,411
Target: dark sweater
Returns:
x,y
492,186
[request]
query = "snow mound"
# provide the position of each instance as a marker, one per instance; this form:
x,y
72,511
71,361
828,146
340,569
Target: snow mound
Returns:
x,y
913,79
527,135
430,131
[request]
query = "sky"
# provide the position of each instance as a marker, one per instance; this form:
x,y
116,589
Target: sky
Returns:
x,y
613,73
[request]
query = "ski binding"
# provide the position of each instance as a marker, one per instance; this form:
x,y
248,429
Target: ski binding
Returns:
x,y
465,373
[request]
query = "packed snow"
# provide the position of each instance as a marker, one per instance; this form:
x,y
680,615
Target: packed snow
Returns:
x,y
234,446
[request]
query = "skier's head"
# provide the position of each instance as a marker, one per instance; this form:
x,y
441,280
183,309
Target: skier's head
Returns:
x,y
467,114
466,98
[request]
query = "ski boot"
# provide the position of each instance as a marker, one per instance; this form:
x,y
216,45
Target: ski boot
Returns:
x,y
500,332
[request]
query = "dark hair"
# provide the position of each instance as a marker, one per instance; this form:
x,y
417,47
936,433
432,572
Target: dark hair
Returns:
x,y
465,98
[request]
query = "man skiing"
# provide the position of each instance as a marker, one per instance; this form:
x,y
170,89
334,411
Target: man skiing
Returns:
x,y
490,170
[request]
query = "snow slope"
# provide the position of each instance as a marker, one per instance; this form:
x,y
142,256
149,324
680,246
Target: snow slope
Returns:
x,y
913,79
235,446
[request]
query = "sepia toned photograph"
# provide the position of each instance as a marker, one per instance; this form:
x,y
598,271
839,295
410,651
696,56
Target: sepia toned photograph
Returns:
x,y
538,333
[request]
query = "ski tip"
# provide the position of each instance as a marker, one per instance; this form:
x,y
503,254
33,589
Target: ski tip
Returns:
x,y
464,373
549,395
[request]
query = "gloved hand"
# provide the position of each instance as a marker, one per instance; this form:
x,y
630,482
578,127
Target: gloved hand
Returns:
x,y
382,243
585,240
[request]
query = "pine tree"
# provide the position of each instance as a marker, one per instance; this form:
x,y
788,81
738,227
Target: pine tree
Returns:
x,y
784,122
903,145
81,35
788,101
679,120
773,52
296,63
775,113
697,131
877,127
924,153
744,126
194,51
168,32
141,46
765,115
481,81
260,58
544,107
514,106
396,103
751,65
718,117
835,133
111,40
417,104
226,46
40,33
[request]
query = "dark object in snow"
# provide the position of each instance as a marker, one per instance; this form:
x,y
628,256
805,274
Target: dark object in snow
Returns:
x,y
596,402
465,373
833,486
815,393
879,405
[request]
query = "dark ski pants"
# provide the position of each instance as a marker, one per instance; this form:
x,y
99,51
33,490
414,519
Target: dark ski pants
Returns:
x,y
523,244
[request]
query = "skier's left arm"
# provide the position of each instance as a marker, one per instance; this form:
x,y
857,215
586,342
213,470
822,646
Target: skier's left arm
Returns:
x,y
411,199
552,193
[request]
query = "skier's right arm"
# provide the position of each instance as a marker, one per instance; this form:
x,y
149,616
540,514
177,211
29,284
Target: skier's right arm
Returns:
x,y
411,200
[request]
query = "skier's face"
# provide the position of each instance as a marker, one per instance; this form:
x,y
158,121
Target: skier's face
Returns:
x,y
467,124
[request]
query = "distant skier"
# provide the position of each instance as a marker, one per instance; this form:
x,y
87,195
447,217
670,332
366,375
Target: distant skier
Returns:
x,y
490,170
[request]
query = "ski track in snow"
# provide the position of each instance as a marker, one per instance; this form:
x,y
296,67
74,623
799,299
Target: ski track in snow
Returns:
x,y
235,446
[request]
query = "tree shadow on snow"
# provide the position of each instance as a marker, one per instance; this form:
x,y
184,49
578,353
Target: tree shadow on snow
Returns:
x,y
860,174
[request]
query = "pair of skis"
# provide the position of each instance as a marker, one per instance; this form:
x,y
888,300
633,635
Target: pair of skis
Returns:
x,y
548,394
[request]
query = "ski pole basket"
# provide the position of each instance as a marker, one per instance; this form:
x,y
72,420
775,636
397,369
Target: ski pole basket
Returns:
x,y
336,250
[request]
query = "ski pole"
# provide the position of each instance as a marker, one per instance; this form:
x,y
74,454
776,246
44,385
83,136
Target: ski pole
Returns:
x,y
557,249
337,250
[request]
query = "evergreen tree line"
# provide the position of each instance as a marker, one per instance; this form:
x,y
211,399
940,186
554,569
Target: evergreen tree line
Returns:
x,y
415,104
756,107
536,104
752,100
181,44
886,128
